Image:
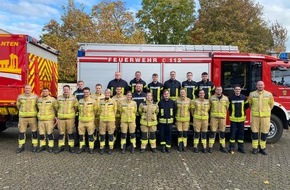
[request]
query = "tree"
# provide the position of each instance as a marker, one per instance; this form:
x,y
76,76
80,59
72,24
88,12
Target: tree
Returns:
x,y
167,21
76,26
279,36
116,24
107,23
231,22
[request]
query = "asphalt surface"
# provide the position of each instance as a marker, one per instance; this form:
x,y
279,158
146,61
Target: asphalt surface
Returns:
x,y
175,170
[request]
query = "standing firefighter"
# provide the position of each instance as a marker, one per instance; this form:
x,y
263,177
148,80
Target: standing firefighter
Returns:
x,y
219,105
155,88
128,110
113,84
46,114
206,85
98,96
200,109
79,94
190,86
261,103
137,80
237,112
66,110
173,86
182,116
148,112
167,111
107,109
87,109
118,98
26,104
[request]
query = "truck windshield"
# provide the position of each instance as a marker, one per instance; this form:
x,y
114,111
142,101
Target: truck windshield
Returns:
x,y
281,75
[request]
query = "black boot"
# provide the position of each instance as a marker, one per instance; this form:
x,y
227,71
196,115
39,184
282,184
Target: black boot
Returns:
x,y
40,149
59,149
102,150
209,150
204,150
20,149
71,150
263,151
154,150
168,149
180,146
241,148
91,151
255,151
223,149
81,150
123,149
183,148
34,148
132,149
142,150
195,150
110,152
163,149
50,149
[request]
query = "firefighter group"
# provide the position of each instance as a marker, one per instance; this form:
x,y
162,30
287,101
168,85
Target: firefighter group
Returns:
x,y
138,109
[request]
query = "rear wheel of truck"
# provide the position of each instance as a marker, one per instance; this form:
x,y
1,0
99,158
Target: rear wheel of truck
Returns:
x,y
276,129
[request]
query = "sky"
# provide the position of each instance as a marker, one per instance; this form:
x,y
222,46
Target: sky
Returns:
x,y
29,16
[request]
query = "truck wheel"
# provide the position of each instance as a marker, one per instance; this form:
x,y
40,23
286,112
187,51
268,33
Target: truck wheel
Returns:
x,y
2,126
276,129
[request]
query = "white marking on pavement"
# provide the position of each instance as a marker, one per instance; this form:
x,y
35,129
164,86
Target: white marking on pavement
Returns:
x,y
194,181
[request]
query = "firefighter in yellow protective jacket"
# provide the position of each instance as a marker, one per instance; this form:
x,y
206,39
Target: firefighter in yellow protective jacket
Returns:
x,y
119,97
66,107
128,110
26,104
107,110
87,108
219,105
261,103
183,106
148,121
46,114
200,109
98,96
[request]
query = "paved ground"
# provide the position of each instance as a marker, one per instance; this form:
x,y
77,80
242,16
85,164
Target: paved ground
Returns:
x,y
143,171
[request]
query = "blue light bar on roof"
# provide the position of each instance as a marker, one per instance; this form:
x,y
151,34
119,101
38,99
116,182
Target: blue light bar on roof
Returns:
x,y
283,56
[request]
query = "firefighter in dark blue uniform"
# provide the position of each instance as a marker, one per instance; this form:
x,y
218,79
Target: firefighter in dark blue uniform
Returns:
x,y
118,82
155,88
167,111
79,94
136,80
237,112
205,85
190,86
173,86
139,97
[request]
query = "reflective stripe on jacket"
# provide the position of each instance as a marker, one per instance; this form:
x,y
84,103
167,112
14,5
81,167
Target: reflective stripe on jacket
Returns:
x,y
26,105
183,107
261,103
219,106
46,108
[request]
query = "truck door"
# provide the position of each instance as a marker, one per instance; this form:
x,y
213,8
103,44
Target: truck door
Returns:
x,y
244,73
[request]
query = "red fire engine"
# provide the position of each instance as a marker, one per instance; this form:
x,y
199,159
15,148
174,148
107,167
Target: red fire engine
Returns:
x,y
24,60
226,66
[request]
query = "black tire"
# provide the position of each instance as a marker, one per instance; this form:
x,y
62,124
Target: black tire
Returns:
x,y
276,129
2,126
